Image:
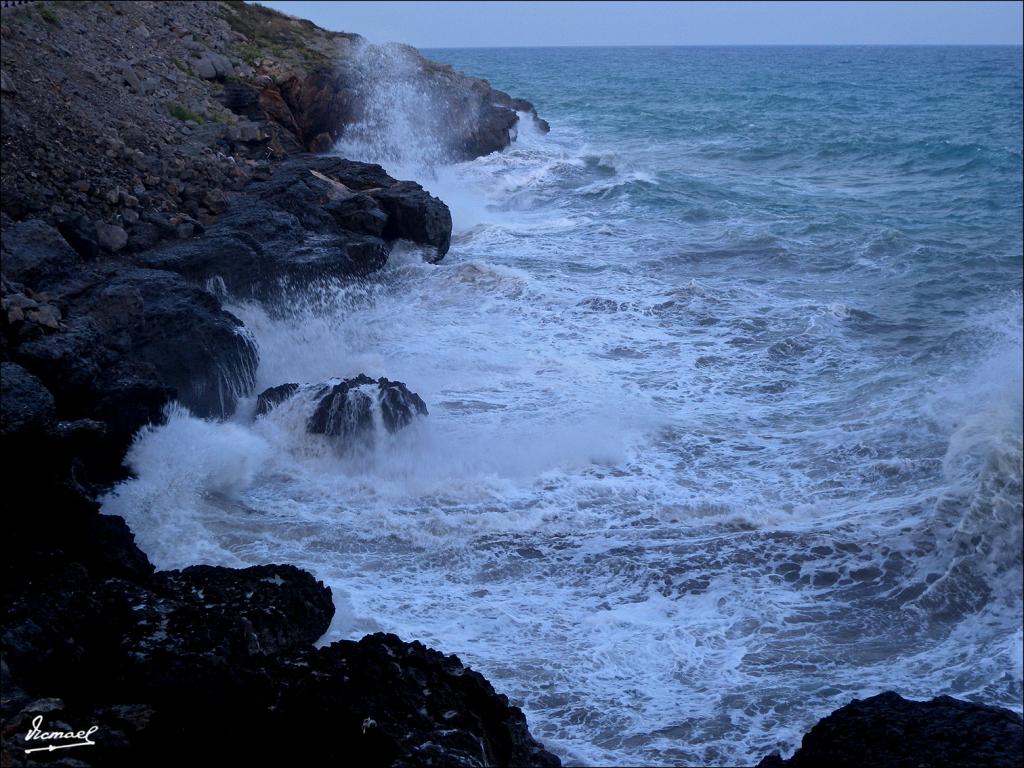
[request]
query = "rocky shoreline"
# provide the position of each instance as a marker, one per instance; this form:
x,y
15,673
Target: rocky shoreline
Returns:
x,y
158,157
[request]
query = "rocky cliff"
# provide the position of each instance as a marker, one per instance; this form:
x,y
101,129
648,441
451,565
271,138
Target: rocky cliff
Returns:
x,y
156,158
129,122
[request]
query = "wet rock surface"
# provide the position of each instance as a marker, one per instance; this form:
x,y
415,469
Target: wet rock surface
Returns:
x,y
315,218
348,409
111,346
888,731
270,398
122,227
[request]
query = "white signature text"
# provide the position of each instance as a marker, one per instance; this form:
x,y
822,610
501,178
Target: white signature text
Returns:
x,y
79,738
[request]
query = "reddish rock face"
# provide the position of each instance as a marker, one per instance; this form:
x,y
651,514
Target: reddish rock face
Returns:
x,y
316,108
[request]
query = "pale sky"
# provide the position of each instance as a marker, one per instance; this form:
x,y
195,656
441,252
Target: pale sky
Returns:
x,y
469,24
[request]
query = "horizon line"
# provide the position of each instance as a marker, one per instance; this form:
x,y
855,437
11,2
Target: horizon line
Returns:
x,y
720,45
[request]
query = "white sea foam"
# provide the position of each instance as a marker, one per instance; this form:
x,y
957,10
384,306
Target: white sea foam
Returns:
x,y
179,466
675,498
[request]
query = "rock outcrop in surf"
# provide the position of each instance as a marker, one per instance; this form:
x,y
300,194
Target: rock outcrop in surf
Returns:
x,y
123,228
350,410
886,731
315,218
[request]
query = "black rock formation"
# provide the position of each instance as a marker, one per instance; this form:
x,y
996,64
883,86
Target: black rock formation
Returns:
x,y
346,410
109,340
888,731
316,217
268,399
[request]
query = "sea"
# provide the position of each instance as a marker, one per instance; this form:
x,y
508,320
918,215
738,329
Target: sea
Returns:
x,y
724,382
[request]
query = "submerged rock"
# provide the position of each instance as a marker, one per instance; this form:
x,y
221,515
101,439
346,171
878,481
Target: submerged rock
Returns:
x,y
888,731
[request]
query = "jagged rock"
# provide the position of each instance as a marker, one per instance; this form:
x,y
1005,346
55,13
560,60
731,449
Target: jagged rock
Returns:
x,y
522,105
398,405
345,410
411,216
396,703
383,701
888,731
219,364
270,398
314,218
271,608
124,333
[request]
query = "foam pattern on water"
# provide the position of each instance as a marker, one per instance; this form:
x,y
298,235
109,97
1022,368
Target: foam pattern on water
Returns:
x,y
714,445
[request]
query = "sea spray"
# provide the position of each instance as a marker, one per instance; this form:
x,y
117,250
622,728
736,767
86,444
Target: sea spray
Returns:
x,y
402,124
723,430
179,466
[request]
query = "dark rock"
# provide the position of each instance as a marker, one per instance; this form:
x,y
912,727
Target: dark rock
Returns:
x,y
216,367
120,356
389,702
80,234
242,99
215,200
358,213
143,236
34,253
160,221
346,409
888,731
398,406
270,398
25,404
413,214
314,218
269,608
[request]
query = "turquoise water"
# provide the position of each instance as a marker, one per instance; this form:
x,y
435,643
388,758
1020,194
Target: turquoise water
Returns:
x,y
724,379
